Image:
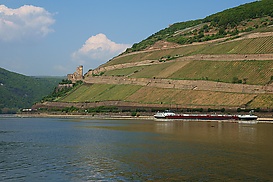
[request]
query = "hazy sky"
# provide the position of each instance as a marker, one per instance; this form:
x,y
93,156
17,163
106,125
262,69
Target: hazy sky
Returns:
x,y
53,37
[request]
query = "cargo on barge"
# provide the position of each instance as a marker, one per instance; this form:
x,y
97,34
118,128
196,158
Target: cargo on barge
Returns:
x,y
173,116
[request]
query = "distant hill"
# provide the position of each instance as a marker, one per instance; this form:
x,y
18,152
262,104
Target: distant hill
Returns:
x,y
19,91
224,61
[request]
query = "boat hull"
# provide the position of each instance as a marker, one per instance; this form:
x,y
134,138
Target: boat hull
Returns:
x,y
172,116
202,117
247,117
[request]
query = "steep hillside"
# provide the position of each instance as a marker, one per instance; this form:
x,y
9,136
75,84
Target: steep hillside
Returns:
x,y
217,62
232,74
230,22
19,91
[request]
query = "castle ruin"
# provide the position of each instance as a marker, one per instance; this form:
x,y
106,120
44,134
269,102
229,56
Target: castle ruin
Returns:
x,y
77,75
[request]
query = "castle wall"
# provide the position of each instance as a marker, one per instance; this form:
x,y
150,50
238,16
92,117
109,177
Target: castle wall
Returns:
x,y
77,75
63,86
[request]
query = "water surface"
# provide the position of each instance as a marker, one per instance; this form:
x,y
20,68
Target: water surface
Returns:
x,y
43,149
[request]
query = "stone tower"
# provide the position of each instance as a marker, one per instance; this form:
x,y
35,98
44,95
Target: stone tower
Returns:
x,y
80,71
76,76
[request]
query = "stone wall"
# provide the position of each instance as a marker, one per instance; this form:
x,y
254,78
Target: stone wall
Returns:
x,y
99,70
62,86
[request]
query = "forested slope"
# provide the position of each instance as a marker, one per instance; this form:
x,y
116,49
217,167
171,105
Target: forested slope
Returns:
x,y
19,91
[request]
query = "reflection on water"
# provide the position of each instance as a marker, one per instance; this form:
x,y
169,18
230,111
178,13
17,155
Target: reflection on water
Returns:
x,y
210,130
127,150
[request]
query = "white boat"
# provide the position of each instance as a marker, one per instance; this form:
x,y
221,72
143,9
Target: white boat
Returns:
x,y
247,117
168,115
163,115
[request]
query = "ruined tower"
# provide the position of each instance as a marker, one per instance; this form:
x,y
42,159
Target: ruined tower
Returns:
x,y
79,72
77,75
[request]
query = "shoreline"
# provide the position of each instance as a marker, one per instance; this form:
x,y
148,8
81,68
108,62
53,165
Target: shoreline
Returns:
x,y
118,117
81,116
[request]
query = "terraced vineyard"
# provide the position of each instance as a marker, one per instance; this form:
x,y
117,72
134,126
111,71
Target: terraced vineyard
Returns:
x,y
261,45
188,65
148,71
155,55
152,95
262,101
188,97
100,92
253,72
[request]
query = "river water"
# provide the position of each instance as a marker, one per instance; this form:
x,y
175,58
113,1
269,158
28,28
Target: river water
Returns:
x,y
50,149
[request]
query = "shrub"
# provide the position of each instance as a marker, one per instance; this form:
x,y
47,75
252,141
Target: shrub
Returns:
x,y
134,113
236,80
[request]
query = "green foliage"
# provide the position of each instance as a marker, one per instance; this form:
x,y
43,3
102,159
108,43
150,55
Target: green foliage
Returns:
x,y
158,109
194,109
162,34
216,110
57,94
248,109
236,80
65,81
168,58
62,92
141,110
19,91
103,109
134,113
233,17
100,74
100,92
70,109
79,82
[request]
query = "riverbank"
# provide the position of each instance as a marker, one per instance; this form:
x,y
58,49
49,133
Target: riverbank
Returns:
x,y
265,120
112,117
80,116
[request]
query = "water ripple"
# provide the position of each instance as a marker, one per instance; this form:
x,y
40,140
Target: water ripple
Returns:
x,y
71,151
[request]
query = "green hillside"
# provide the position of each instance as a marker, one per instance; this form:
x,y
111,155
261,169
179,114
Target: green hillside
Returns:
x,y
101,92
222,61
150,95
257,45
254,72
156,54
232,21
19,91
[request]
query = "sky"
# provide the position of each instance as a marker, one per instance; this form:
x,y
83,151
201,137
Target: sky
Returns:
x,y
53,37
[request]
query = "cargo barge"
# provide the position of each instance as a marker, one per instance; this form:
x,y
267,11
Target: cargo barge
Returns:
x,y
168,115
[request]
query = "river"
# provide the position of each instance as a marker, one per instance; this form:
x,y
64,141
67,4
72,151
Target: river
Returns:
x,y
51,149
